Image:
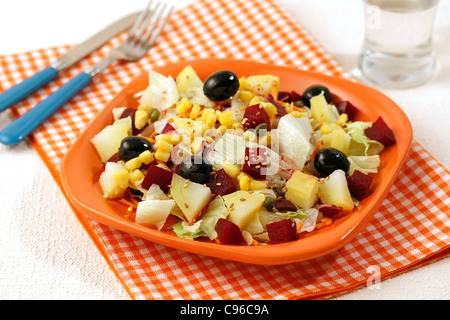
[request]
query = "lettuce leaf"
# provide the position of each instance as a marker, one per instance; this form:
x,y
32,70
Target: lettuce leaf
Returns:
x,y
155,193
154,212
214,211
293,214
360,144
365,164
309,223
186,231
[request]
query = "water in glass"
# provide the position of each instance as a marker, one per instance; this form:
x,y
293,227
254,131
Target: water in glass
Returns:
x,y
398,49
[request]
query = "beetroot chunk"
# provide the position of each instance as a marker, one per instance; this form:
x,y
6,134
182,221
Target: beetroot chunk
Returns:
x,y
289,97
282,231
131,112
348,108
221,184
254,116
359,184
228,232
159,176
380,132
284,96
281,111
114,158
255,163
284,205
329,210
167,128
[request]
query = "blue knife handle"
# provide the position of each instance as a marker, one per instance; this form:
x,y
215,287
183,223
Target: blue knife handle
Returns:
x,y
26,87
19,129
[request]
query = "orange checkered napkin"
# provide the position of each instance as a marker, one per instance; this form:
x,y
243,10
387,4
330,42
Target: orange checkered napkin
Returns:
x,y
410,228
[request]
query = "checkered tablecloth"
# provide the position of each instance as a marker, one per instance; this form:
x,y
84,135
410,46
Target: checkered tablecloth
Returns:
x,y
411,227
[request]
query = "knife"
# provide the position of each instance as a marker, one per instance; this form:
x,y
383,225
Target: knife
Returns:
x,y
38,80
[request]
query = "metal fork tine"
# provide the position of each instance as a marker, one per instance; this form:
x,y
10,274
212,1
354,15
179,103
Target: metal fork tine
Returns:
x,y
160,27
151,26
139,21
139,36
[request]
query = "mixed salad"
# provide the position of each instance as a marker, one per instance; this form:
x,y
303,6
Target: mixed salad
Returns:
x,y
236,160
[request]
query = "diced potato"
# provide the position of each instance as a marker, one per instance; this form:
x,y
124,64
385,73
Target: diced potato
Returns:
x,y
191,197
321,110
114,180
107,141
337,139
334,190
302,189
262,84
243,206
188,78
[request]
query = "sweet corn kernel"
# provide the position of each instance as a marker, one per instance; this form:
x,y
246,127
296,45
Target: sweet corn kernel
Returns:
x,y
206,113
258,185
226,119
146,157
237,126
162,155
197,144
244,182
209,139
164,146
133,164
136,176
196,111
231,170
140,119
245,95
164,137
243,84
249,136
266,139
296,114
183,107
329,127
325,129
211,120
256,100
342,120
145,107
222,129
288,106
270,109
176,139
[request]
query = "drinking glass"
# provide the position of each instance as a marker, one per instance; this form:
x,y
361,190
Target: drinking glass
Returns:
x,y
398,43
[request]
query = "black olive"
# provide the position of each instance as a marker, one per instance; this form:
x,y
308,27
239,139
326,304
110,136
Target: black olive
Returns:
x,y
221,85
328,160
313,91
131,147
196,169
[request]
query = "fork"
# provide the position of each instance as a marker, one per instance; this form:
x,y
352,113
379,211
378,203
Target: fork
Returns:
x,y
140,39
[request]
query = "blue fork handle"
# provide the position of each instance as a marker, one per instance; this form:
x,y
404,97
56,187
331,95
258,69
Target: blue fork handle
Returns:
x,y
23,89
19,129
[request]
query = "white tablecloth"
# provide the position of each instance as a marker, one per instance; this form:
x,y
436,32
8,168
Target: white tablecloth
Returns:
x,y
44,251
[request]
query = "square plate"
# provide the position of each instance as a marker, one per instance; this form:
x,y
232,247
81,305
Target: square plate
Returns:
x,y
81,166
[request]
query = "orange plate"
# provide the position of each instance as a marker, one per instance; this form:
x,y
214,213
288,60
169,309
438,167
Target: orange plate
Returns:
x,y
81,167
